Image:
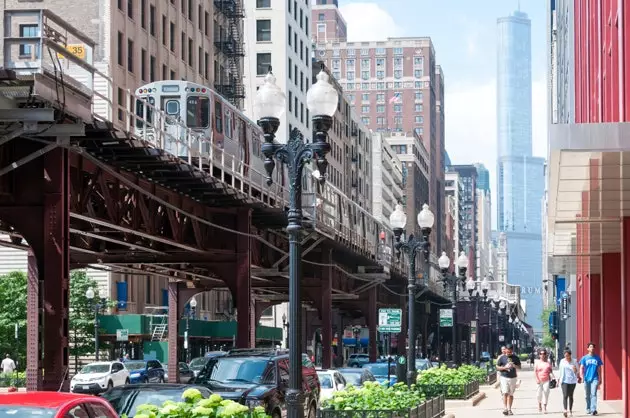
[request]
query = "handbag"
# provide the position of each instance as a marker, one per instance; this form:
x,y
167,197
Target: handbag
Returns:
x,y
553,384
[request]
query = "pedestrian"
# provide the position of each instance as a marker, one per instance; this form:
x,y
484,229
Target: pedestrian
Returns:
x,y
7,365
532,358
543,372
590,368
507,365
568,379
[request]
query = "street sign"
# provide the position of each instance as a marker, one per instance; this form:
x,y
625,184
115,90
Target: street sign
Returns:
x,y
501,338
390,320
473,338
473,327
122,335
402,360
446,317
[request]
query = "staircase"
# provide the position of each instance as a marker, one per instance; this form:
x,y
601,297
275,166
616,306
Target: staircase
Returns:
x,y
159,331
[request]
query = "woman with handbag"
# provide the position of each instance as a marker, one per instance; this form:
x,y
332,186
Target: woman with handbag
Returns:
x,y
568,379
543,370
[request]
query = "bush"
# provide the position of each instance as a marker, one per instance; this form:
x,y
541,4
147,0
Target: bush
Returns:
x,y
194,406
374,396
17,379
449,382
523,357
472,373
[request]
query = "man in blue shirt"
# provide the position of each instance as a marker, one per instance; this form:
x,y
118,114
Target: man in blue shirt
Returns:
x,y
590,371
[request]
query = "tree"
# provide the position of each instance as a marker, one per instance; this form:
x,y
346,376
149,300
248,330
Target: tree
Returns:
x,y
547,340
81,323
12,312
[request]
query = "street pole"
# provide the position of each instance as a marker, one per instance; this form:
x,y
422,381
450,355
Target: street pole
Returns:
x,y
478,328
96,348
450,281
322,100
186,343
398,220
454,308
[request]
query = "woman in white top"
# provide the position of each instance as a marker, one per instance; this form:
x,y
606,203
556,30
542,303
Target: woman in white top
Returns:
x,y
568,379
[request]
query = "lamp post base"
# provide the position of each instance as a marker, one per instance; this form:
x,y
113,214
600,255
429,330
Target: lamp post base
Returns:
x,y
411,378
295,404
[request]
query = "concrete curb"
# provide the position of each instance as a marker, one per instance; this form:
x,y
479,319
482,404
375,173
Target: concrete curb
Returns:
x,y
449,416
478,398
474,401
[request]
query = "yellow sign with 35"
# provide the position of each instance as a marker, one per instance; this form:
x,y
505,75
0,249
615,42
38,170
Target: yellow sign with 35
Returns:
x,y
77,50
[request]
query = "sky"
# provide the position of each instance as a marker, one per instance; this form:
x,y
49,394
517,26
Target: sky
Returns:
x,y
464,35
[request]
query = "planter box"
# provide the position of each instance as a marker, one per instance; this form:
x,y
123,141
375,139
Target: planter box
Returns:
x,y
464,391
432,408
491,378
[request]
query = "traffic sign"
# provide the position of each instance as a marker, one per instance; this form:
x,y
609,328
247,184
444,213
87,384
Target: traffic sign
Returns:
x,y
446,317
389,320
122,335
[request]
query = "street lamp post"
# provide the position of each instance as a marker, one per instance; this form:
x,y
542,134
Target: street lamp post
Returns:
x,y
285,327
89,294
398,220
321,101
193,306
452,282
473,293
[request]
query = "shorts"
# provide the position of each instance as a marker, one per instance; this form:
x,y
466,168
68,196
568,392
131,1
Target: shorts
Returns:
x,y
508,385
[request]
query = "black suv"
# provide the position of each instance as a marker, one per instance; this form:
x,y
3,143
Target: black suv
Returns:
x,y
259,377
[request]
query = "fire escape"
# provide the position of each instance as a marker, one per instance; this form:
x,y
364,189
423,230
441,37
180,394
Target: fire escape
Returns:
x,y
229,50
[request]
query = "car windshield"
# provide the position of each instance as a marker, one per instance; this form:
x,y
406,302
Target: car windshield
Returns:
x,y
352,378
135,365
377,369
126,401
422,364
18,411
198,363
95,368
238,369
325,380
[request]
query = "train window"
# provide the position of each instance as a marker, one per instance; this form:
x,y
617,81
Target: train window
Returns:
x,y
172,107
218,116
140,112
198,112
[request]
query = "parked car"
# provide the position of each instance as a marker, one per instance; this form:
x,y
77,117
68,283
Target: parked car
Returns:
x,y
358,360
98,377
185,374
259,377
379,370
356,377
330,381
424,364
54,404
145,371
198,363
126,399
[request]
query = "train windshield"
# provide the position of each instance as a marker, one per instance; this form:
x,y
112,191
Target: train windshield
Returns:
x,y
198,112
140,112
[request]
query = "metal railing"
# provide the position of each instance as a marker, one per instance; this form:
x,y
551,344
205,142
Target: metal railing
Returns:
x,y
432,408
461,391
491,378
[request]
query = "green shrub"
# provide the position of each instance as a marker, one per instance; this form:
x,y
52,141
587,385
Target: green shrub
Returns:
x,y
194,406
17,379
374,396
449,382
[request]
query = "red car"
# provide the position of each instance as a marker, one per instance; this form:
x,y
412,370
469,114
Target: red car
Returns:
x,y
54,404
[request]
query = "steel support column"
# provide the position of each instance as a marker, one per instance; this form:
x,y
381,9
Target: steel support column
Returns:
x,y
611,337
54,266
246,328
173,331
326,308
372,320
33,354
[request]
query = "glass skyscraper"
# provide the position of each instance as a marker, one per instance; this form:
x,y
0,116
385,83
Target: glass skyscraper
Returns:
x,y
520,176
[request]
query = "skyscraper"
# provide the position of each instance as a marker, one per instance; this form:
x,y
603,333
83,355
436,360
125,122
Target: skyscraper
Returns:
x,y
520,176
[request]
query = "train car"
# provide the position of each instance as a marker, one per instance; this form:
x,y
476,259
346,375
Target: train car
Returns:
x,y
219,130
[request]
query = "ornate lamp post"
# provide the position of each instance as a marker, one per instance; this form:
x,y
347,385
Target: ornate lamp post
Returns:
x,y
89,294
473,288
451,283
193,306
321,101
398,220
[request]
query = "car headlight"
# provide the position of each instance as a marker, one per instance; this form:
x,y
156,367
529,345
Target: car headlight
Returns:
x,y
134,375
253,403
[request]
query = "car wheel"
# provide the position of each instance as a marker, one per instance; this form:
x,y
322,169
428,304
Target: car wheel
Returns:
x,y
127,381
145,380
162,379
110,385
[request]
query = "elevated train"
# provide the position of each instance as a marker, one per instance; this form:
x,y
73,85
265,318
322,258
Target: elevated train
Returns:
x,y
197,124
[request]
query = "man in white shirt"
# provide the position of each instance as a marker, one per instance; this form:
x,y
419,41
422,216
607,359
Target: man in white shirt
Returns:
x,y
7,365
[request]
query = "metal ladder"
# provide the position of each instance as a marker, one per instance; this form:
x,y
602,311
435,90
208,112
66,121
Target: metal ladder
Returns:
x,y
159,330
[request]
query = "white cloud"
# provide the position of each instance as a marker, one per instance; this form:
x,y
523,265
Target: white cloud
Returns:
x,y
471,124
368,22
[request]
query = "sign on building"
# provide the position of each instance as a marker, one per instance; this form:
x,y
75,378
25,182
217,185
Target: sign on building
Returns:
x,y
122,335
446,317
389,320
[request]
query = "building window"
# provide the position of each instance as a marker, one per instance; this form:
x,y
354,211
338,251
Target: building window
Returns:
x,y
152,20
321,27
365,109
418,73
419,119
263,62
419,108
130,9
380,108
152,65
289,32
130,55
418,61
29,31
190,52
397,108
263,4
263,30
418,95
143,64
321,17
398,51
380,51
398,74
172,36
143,14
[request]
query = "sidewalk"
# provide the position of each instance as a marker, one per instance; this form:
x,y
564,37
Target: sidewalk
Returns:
x,y
526,405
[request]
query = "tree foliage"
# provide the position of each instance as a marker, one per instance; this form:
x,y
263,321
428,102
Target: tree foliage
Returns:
x,y
547,341
13,289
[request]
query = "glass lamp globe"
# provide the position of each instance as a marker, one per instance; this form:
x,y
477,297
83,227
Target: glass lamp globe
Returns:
x,y
471,284
502,304
426,217
322,98
444,262
193,303
496,298
89,293
270,101
398,218
462,261
485,284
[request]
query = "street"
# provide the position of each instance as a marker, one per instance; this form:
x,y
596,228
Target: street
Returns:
x,y
526,405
